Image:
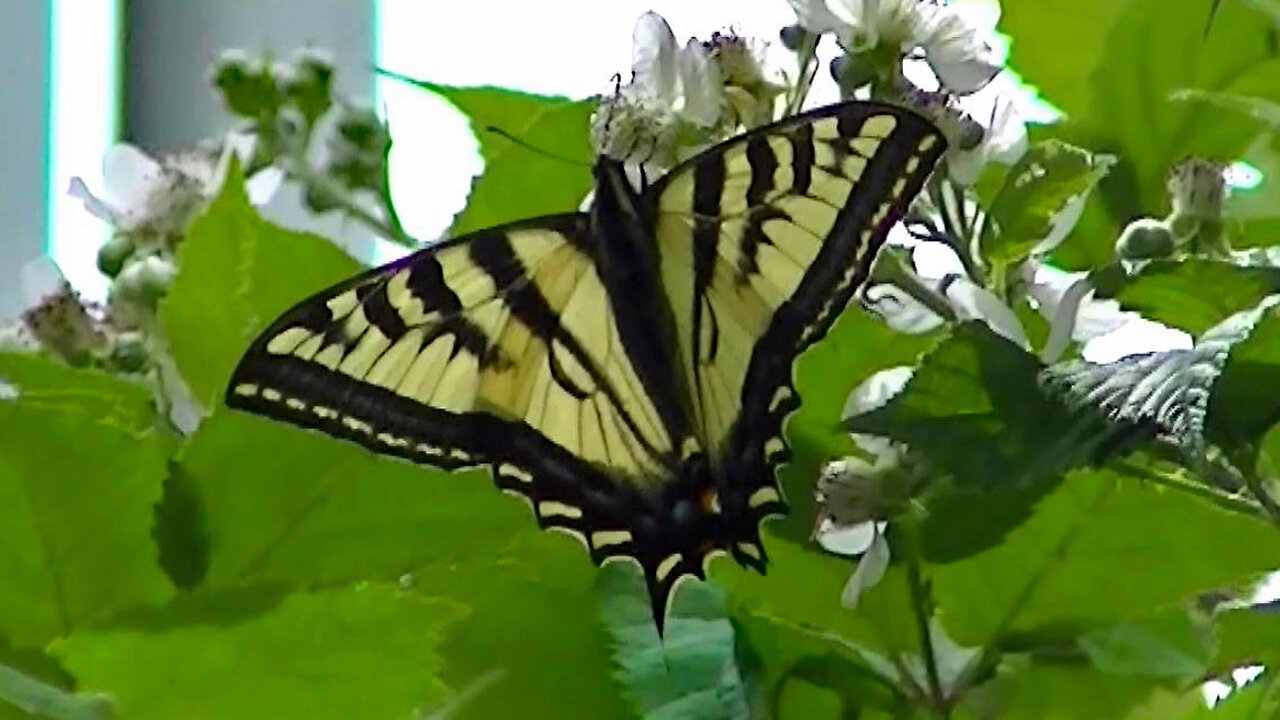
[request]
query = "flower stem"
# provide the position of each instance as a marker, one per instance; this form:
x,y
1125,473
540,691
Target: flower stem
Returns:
x,y
920,607
299,170
807,52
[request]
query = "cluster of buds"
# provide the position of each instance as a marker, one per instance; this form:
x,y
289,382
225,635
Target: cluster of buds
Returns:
x,y
291,106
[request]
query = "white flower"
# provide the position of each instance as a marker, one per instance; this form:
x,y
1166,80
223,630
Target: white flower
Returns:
x,y
961,59
673,105
750,88
142,194
55,315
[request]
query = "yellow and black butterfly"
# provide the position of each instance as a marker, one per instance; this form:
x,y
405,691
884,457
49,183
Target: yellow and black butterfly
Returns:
x,y
627,369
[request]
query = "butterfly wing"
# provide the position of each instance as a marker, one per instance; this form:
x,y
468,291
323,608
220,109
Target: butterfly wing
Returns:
x,y
497,349
763,240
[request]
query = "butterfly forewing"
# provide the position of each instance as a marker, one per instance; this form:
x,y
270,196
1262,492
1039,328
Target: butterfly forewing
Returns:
x,y
763,241
499,348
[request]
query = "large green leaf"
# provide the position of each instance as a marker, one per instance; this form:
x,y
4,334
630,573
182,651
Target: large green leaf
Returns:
x,y
1038,31
369,652
691,671
1102,548
281,504
238,272
534,626
1195,294
77,494
1035,194
1044,689
44,382
1247,636
974,409
546,172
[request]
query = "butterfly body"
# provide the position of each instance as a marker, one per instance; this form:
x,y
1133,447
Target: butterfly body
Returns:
x,y
626,369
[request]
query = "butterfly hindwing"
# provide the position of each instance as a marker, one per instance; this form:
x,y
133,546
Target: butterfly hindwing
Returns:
x,y
763,240
496,349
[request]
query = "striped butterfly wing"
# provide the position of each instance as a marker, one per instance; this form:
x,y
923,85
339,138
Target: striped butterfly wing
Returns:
x,y
497,349
763,241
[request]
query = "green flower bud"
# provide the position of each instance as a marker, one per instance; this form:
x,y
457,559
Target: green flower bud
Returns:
x,y
792,37
113,253
129,352
246,86
145,279
852,71
308,84
319,199
1145,239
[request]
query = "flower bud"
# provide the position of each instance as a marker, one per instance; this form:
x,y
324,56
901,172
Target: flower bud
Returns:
x,y
129,351
852,71
1145,239
1197,187
247,87
792,37
309,85
113,253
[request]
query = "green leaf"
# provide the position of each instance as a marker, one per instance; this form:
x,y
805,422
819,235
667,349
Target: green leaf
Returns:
x,y
1173,292
1038,31
1041,689
238,273
44,382
803,588
1168,389
690,672
368,652
1246,399
78,495
1036,192
975,410
1169,645
26,693
534,620
282,504
546,172
786,654
1100,529
1247,636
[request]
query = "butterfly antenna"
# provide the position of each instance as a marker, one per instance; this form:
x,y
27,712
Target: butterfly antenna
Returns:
x,y
532,148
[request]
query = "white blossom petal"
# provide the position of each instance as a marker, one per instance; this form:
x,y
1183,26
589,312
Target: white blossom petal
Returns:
x,y
817,17
130,176
653,58
846,539
972,302
963,62
263,185
700,84
96,206
900,311
877,390
1062,321
870,570
41,279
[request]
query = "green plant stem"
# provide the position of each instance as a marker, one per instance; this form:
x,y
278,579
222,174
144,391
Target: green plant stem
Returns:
x,y
889,269
1222,499
1245,461
298,169
920,607
808,52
